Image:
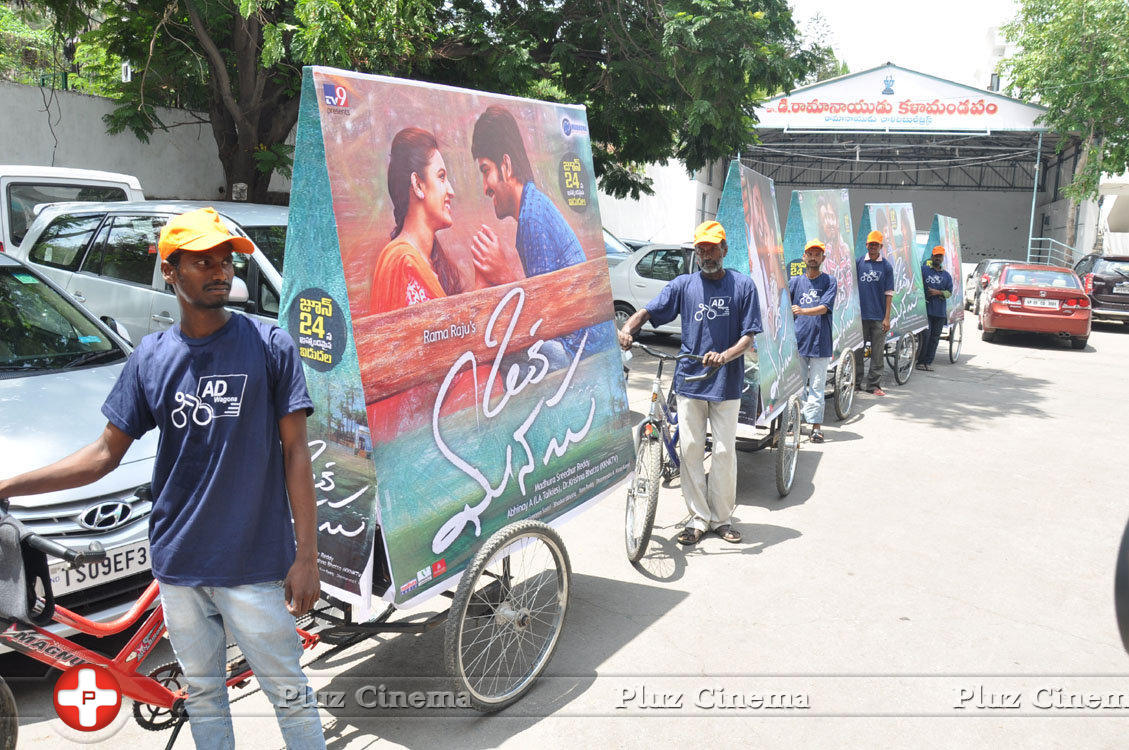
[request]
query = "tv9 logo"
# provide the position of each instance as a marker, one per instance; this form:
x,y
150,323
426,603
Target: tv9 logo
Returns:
x,y
334,95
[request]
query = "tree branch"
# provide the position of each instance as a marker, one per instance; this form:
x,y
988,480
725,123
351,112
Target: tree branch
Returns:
x,y
219,70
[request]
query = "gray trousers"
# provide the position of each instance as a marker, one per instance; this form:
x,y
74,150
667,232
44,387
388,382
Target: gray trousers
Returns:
x,y
872,332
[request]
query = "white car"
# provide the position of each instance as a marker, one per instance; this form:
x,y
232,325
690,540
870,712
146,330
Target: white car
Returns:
x,y
57,364
637,280
105,256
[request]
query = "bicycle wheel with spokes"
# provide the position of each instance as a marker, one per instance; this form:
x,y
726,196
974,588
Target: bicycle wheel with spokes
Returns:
x,y
643,494
787,447
507,614
904,356
845,385
956,338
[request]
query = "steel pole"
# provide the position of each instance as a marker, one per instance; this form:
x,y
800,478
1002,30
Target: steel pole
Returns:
x,y
1034,194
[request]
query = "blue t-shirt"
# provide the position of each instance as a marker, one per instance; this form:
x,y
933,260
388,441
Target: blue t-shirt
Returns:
x,y
220,514
813,332
714,315
934,278
876,277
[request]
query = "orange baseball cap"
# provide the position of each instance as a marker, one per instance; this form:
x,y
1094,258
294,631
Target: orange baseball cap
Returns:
x,y
815,245
198,231
939,250
709,231
875,236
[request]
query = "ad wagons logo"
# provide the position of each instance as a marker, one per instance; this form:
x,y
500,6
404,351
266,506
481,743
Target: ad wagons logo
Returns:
x,y
335,96
568,127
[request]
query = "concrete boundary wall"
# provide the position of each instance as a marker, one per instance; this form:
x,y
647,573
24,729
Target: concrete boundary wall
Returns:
x,y
182,162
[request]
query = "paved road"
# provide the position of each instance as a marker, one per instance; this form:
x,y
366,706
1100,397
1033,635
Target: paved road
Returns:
x,y
947,553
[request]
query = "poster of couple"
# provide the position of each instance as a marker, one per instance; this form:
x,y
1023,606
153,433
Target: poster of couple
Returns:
x,y
461,233
752,228
895,222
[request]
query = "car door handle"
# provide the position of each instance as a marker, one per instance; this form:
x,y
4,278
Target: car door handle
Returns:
x,y
163,318
79,296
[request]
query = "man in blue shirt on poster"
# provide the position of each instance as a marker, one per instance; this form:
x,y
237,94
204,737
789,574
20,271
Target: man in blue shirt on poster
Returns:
x,y
720,315
938,289
876,295
813,300
232,469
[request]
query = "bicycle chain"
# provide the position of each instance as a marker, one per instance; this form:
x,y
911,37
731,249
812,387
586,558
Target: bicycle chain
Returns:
x,y
159,719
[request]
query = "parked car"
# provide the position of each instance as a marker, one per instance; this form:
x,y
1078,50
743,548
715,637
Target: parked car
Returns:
x,y
105,256
57,364
637,280
1036,299
25,188
976,281
616,251
1106,279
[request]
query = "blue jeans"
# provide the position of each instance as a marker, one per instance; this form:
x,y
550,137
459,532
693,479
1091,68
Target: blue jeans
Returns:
x,y
257,617
932,338
815,383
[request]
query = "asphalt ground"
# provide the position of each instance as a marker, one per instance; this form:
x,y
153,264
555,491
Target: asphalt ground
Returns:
x,y
941,575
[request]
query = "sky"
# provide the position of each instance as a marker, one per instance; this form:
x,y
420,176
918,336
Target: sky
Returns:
x,y
949,39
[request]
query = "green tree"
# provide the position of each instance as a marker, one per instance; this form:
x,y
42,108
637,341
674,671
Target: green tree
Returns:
x,y
661,78
25,52
1073,59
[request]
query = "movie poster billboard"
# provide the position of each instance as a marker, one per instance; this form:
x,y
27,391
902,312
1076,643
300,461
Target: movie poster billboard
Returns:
x,y
895,222
946,233
752,228
825,215
469,370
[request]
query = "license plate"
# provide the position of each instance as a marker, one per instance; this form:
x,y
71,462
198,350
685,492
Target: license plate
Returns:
x,y
1048,304
119,563
1122,288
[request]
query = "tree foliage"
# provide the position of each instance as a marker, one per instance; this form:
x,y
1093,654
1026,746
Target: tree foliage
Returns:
x,y
661,78
1073,59
25,52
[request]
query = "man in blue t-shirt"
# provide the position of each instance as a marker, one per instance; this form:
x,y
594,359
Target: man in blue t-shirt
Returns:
x,y
813,300
719,314
938,289
876,294
233,466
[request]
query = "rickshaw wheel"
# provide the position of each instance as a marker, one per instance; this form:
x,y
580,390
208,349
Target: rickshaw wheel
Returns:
x,y
845,385
787,447
643,494
956,338
905,355
9,717
507,614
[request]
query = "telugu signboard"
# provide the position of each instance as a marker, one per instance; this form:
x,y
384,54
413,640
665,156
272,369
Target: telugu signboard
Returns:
x,y
447,286
825,215
752,229
896,99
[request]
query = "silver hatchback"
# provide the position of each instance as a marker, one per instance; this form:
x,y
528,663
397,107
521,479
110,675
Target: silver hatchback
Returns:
x,y
57,364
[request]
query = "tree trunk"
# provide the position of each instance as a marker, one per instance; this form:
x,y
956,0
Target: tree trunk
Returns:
x,y
1072,211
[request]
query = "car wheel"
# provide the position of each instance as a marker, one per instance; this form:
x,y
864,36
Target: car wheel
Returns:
x,y
623,311
1078,342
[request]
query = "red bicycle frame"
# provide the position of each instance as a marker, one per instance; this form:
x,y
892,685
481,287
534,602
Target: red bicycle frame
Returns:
x,y
61,652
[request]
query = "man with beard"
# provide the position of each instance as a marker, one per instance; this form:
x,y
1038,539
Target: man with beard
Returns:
x,y
720,315
938,288
813,299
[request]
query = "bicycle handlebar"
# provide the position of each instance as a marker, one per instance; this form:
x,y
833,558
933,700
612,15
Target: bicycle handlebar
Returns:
x,y
95,552
679,357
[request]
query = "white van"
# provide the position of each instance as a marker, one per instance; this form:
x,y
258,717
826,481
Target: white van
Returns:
x,y
24,187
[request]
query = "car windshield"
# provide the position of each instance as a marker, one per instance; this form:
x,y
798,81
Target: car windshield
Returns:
x,y
271,239
41,331
1105,266
1038,277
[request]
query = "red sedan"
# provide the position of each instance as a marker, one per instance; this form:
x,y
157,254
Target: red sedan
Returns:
x,y
1036,299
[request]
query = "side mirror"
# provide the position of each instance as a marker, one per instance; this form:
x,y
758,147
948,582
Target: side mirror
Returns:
x,y
119,329
239,294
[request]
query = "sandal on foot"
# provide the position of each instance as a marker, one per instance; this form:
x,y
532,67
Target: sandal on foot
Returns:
x,y
690,536
817,436
728,533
